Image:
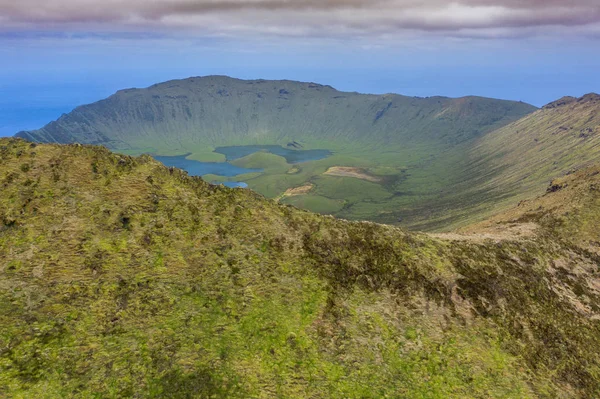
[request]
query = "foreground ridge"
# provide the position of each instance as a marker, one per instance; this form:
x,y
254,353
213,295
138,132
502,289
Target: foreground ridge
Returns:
x,y
121,277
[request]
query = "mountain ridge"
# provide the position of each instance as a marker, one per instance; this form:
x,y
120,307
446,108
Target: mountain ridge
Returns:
x,y
566,100
122,277
258,100
542,146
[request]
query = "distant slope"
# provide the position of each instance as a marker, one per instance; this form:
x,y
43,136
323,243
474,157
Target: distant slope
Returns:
x,y
520,159
530,152
120,277
192,114
515,162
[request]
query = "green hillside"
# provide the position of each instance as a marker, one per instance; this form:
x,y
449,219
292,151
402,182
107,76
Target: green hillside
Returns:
x,y
123,278
414,145
539,147
519,160
195,114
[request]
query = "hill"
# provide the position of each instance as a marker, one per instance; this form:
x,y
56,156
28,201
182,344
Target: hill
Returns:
x,y
532,151
192,114
519,160
413,147
123,278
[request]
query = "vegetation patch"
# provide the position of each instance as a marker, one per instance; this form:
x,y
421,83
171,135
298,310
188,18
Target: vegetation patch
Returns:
x,y
271,163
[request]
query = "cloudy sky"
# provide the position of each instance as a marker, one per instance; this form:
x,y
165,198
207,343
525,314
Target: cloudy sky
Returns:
x,y
57,54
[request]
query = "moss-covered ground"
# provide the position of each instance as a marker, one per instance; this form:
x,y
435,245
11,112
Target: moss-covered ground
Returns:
x,y
120,277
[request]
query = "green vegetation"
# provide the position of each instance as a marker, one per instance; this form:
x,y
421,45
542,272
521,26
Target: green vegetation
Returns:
x,y
120,278
271,163
350,189
417,144
443,163
521,158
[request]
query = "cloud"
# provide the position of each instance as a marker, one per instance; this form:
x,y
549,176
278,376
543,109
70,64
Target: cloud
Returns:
x,y
326,18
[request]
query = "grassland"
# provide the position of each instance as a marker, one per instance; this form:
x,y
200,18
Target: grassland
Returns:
x,y
271,163
120,277
411,192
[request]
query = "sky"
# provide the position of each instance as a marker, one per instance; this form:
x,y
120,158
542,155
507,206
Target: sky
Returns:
x,y
57,54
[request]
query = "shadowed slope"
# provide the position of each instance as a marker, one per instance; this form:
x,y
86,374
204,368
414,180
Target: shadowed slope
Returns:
x,y
120,277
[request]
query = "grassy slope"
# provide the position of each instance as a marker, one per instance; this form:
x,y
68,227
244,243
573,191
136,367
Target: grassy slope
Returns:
x,y
570,208
415,142
320,204
519,160
539,147
121,277
271,163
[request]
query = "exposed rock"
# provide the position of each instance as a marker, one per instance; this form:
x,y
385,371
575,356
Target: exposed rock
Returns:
x,y
555,187
590,97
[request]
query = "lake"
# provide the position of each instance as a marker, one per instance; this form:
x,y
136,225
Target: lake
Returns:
x,y
197,168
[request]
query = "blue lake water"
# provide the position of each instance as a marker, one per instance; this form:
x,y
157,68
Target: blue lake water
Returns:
x,y
197,168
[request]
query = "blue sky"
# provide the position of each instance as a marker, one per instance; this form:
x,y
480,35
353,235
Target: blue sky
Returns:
x,y
63,53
